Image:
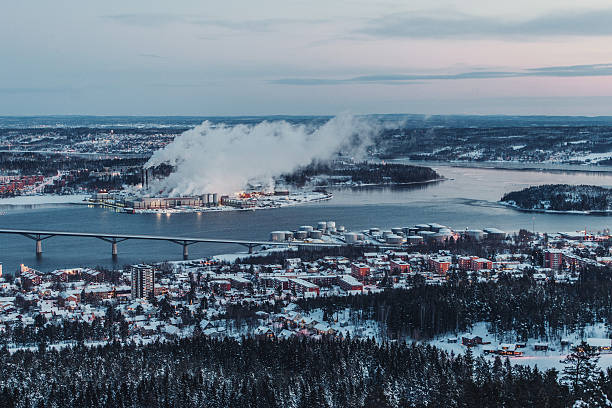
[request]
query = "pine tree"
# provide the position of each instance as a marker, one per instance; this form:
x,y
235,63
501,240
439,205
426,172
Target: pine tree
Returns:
x,y
581,372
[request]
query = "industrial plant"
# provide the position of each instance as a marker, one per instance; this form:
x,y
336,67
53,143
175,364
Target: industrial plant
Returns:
x,y
327,231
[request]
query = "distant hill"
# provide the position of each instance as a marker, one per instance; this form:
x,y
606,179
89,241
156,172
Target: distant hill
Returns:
x,y
561,197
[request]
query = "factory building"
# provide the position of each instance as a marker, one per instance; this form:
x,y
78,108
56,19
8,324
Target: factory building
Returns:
x,y
155,203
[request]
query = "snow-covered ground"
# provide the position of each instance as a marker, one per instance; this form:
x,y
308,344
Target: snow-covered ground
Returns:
x,y
542,359
44,199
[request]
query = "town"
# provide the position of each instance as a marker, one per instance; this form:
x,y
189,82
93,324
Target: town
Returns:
x,y
259,294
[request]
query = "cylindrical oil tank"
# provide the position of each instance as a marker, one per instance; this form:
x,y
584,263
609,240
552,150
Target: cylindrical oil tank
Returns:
x,y
331,230
215,198
397,230
360,236
386,233
427,235
435,227
423,227
306,228
440,237
288,235
316,234
475,234
414,239
406,230
331,224
277,236
300,234
394,239
374,231
413,231
351,237
341,228
321,225
496,234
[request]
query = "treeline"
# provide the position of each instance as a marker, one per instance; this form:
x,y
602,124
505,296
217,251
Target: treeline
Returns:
x,y
366,173
529,308
49,163
562,197
201,372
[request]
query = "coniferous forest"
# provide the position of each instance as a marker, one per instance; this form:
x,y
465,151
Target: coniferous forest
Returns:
x,y
561,197
201,372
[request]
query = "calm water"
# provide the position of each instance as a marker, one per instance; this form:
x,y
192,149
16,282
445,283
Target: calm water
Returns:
x,y
467,199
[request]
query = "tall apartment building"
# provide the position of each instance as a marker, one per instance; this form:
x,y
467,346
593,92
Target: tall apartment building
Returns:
x,y
143,281
553,258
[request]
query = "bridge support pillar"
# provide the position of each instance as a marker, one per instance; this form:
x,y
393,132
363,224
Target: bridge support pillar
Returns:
x,y
185,252
114,250
39,247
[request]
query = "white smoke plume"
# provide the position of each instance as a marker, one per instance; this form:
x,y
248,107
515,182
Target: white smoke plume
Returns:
x,y
224,159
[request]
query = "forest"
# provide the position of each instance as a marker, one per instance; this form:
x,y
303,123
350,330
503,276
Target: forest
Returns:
x,y
202,372
561,197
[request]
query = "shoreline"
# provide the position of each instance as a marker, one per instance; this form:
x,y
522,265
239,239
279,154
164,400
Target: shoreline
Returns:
x,y
507,165
567,212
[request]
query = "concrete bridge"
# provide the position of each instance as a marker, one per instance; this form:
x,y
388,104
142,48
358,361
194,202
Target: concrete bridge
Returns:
x,y
114,239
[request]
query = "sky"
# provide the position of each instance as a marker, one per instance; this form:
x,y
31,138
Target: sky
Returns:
x,y
294,57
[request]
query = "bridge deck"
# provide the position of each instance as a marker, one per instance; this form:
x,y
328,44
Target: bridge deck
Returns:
x,y
157,237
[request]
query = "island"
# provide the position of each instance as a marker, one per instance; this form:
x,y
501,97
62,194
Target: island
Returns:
x,y
561,198
360,173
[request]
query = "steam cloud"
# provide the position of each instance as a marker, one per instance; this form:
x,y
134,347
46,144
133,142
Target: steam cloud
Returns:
x,y
224,159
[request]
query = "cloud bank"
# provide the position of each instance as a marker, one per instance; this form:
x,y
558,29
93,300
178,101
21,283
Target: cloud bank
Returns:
x,y
458,25
224,159
560,71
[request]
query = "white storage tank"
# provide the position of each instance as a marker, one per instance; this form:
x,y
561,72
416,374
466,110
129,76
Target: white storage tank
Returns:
x,y
394,239
315,234
306,228
321,225
288,235
496,234
300,234
331,224
440,237
351,237
341,228
414,239
427,235
374,231
397,230
435,227
360,237
277,236
387,233
423,227
475,234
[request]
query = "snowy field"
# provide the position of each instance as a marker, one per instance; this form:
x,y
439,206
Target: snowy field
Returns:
x,y
542,359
